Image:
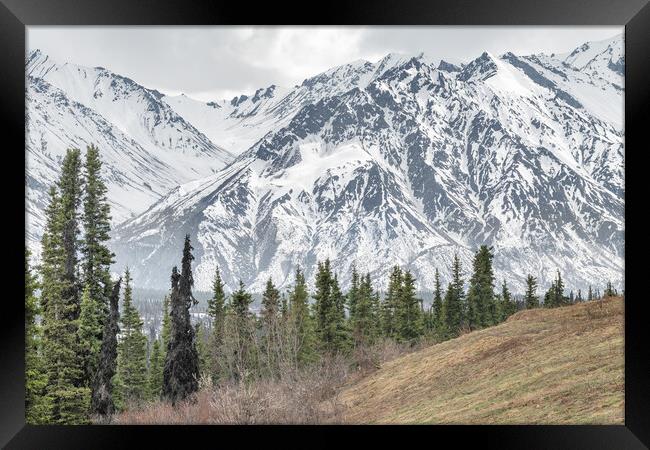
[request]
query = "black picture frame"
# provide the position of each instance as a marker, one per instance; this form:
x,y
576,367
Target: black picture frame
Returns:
x,y
16,15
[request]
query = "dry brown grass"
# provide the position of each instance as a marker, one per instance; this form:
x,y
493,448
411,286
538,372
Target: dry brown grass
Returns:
x,y
544,366
308,397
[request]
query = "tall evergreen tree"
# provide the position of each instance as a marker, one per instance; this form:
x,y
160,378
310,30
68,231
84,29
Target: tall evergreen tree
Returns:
x,y
559,291
389,305
155,377
202,348
353,294
131,374
530,298
453,304
507,307
480,298
217,301
270,324
70,188
301,322
240,350
410,324
96,262
329,309
364,320
102,389
590,295
217,314
181,371
436,307
66,389
166,329
91,325
36,406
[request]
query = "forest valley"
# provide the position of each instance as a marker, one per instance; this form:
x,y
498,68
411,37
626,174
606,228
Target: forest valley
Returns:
x,y
88,359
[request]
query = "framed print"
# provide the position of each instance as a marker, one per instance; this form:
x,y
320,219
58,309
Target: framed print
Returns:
x,y
409,214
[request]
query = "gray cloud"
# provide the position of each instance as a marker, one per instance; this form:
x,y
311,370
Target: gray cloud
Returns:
x,y
220,62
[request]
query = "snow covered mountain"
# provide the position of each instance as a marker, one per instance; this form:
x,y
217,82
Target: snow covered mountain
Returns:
x,y
147,148
406,161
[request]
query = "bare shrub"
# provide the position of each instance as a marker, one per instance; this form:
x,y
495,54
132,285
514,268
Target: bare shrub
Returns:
x,y
303,397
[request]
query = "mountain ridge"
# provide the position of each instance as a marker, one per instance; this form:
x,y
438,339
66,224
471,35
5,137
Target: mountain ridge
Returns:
x,y
405,161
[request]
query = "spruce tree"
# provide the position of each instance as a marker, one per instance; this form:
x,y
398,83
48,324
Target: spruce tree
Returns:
x,y
436,307
202,348
66,389
530,298
155,376
217,301
342,335
590,295
270,327
131,352
91,325
480,298
217,315
70,189
36,405
181,371
559,291
353,295
453,304
166,329
301,322
102,403
410,325
364,320
96,262
389,305
507,307
239,346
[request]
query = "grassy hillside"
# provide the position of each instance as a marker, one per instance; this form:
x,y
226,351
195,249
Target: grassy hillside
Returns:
x,y
544,366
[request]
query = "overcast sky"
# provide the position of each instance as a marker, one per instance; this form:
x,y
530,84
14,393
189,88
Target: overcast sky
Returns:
x,y
210,63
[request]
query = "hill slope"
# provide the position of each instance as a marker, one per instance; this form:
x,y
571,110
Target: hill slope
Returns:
x,y
556,366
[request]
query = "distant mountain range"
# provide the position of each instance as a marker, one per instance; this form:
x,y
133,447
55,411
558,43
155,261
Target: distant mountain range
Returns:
x,y
405,161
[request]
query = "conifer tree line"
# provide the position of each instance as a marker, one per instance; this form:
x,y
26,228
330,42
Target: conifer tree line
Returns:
x,y
87,355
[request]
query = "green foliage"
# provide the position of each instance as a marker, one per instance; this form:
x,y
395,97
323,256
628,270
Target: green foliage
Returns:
x,y
165,333
36,403
301,322
271,331
453,309
364,302
530,298
481,305
436,308
331,328
202,348
65,393
507,306
102,402
554,297
390,303
96,262
91,326
181,371
409,320
239,350
155,376
131,376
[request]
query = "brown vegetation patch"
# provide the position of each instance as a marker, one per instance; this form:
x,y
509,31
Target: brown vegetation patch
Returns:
x,y
552,366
